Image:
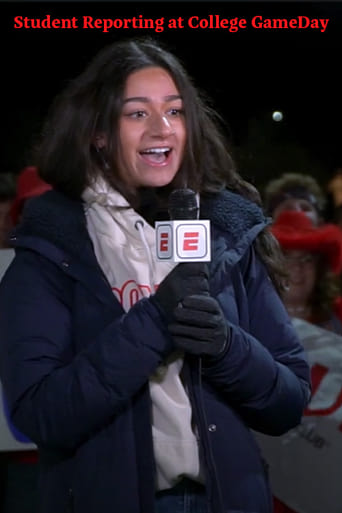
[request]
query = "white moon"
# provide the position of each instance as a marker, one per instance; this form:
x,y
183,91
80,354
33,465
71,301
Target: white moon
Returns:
x,y
277,115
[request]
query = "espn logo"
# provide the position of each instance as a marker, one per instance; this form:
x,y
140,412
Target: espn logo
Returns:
x,y
191,241
183,241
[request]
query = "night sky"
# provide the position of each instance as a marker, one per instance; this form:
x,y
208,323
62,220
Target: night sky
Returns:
x,y
248,73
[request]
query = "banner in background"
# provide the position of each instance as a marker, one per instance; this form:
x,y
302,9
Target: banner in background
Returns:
x,y
305,463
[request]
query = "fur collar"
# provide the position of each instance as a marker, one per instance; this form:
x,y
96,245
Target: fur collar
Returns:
x,y
232,213
57,219
61,220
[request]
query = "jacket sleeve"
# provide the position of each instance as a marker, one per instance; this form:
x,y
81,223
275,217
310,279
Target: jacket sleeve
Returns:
x,y
59,399
264,374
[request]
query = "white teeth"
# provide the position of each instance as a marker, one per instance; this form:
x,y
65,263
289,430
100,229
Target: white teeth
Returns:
x,y
156,150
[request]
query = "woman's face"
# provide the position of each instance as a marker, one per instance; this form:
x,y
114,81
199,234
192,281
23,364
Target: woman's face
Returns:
x,y
301,267
152,130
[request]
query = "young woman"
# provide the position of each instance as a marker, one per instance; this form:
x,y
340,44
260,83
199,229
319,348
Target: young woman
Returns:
x,y
140,380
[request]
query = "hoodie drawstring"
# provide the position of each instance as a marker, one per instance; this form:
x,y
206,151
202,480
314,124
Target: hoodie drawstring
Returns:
x,y
139,225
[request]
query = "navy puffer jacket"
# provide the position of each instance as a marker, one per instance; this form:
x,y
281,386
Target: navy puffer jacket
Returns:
x,y
75,366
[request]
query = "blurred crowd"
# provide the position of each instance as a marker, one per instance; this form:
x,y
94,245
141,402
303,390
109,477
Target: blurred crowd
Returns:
x,y
306,221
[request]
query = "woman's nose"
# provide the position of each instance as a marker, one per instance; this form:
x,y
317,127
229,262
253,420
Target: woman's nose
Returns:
x,y
161,126
295,271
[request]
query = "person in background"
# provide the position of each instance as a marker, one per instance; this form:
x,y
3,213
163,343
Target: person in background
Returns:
x,y
7,194
334,193
20,467
313,260
140,380
295,191
29,185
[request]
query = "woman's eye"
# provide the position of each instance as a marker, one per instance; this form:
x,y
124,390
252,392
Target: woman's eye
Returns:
x,y
137,114
176,112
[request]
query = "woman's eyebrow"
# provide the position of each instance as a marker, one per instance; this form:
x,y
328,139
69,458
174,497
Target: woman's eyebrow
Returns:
x,y
145,99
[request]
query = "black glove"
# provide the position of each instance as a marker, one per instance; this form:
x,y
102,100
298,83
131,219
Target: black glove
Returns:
x,y
184,280
200,327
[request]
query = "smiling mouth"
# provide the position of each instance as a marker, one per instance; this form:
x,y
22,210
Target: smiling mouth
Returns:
x,y
156,155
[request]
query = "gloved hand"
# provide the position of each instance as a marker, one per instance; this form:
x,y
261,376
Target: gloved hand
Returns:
x,y
200,327
184,280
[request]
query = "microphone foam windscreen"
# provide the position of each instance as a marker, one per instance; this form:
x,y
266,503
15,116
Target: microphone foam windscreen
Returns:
x,y
183,204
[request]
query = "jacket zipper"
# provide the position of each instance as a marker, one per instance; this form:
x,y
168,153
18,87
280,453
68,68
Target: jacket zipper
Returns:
x,y
212,482
70,505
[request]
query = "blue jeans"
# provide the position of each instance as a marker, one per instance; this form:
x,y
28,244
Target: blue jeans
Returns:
x,y
186,497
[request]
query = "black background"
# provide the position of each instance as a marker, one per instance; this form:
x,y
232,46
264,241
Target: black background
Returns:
x,y
248,74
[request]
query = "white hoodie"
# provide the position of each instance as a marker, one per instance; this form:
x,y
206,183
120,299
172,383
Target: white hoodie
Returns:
x,y
125,248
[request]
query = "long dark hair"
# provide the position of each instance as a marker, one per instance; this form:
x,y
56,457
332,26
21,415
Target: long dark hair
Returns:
x,y
91,104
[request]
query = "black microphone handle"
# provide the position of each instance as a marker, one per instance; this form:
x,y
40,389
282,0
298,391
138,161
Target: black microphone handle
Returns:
x,y
183,206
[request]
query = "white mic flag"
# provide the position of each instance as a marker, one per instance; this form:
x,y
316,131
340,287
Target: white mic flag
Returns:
x,y
183,241
185,238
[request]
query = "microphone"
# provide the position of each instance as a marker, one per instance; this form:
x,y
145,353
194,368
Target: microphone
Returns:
x,y
185,238
183,205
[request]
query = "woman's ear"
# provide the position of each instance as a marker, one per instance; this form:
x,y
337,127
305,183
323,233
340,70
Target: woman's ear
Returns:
x,y
100,141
